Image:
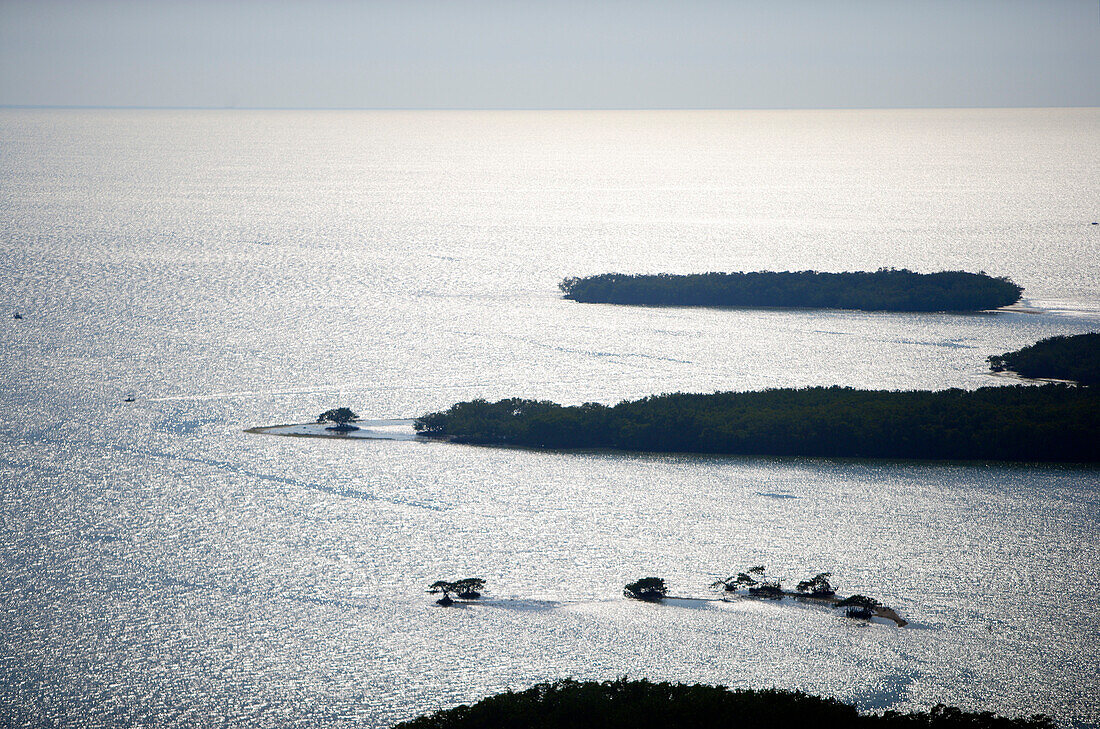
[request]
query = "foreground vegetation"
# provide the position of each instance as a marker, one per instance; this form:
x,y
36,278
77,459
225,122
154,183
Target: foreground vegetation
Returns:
x,y
882,290
1022,423
624,704
1060,358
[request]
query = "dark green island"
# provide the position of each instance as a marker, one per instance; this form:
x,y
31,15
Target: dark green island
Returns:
x,y
887,289
1058,423
625,704
1074,358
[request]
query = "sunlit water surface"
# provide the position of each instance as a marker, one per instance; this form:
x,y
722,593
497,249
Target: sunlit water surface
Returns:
x,y
234,269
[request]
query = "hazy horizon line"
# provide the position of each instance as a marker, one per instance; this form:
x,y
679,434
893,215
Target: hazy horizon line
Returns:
x,y
106,107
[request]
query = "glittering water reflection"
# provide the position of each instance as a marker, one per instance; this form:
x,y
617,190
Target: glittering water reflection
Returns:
x,y
163,566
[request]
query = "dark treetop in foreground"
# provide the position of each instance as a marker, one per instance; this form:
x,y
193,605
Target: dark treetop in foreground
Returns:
x,y
1060,358
1021,423
882,290
627,704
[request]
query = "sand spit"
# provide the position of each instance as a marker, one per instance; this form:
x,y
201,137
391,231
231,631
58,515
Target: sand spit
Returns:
x,y
879,612
388,429
1009,374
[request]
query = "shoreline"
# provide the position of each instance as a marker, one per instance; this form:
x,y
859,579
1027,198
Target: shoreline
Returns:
x,y
1017,377
369,429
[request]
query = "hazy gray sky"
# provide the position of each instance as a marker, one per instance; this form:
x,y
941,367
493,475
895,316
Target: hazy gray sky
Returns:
x,y
550,53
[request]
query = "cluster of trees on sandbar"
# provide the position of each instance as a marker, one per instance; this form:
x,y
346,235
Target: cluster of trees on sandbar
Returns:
x,y
760,585
468,588
341,419
626,704
887,289
1020,423
1060,358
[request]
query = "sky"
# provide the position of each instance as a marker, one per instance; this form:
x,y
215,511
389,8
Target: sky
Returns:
x,y
550,54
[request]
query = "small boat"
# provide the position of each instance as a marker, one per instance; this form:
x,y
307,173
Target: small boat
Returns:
x,y
17,315
129,398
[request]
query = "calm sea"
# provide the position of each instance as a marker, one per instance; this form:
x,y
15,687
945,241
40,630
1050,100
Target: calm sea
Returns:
x,y
159,566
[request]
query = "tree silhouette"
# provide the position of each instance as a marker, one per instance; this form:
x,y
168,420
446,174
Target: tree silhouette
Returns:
x,y
650,589
464,589
446,588
858,606
469,588
766,587
756,580
342,417
818,585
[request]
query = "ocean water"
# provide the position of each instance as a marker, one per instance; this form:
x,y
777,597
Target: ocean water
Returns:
x,y
160,566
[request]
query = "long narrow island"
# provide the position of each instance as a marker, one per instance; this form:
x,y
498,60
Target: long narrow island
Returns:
x,y
1019,423
887,289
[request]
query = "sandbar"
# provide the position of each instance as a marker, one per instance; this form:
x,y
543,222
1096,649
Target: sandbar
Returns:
x,y
386,429
880,612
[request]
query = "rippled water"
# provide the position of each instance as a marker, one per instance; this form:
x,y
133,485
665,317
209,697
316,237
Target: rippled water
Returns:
x,y
236,269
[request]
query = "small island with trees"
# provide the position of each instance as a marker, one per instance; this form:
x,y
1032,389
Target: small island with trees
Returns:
x,y
468,588
1074,358
341,419
814,589
342,423
647,589
1053,423
761,586
887,289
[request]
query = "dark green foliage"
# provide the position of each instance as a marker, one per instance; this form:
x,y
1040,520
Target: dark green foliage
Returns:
x,y
1061,358
624,704
446,588
768,592
647,588
752,576
818,585
465,589
469,588
757,580
887,289
340,416
1022,423
858,606
761,585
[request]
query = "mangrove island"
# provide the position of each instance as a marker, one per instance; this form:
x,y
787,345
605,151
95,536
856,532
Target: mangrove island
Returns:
x,y
1018,423
1074,358
887,289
